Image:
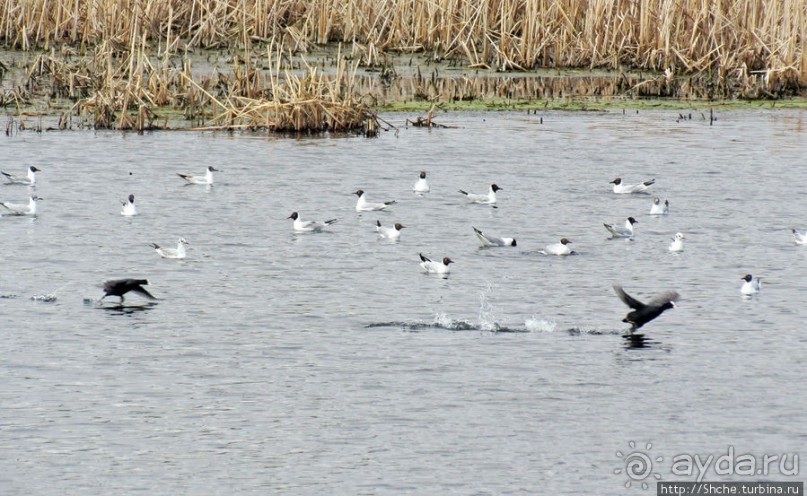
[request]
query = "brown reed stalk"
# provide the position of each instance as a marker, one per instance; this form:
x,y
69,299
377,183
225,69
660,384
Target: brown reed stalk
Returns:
x,y
690,37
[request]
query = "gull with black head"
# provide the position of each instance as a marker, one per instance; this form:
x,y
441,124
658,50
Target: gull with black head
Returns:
x,y
561,248
28,180
622,232
392,233
362,205
621,188
658,208
301,225
486,240
207,178
488,199
128,208
432,267
421,185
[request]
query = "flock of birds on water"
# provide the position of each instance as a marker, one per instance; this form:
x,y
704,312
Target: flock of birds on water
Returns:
x,y
641,312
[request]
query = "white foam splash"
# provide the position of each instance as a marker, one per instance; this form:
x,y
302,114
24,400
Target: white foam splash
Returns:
x,y
534,324
443,320
47,298
487,316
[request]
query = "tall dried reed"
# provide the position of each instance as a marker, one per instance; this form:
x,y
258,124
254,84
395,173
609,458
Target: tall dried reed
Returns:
x,y
755,42
126,87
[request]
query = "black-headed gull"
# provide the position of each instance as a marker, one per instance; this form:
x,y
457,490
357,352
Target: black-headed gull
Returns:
x,y
659,208
645,312
309,225
128,207
206,179
28,180
362,205
393,232
432,267
622,232
422,185
799,238
487,240
750,285
488,199
677,243
561,248
178,252
621,188
22,208
119,287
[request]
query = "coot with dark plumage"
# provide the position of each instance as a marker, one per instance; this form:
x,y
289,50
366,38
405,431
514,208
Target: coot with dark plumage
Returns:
x,y
645,312
119,287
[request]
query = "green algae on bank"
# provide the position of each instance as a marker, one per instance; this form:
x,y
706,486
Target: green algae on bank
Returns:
x,y
594,104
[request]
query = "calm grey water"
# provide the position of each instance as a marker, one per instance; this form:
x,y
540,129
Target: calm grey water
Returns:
x,y
328,363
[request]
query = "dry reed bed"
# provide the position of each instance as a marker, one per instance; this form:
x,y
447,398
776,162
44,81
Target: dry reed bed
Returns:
x,y
760,43
121,87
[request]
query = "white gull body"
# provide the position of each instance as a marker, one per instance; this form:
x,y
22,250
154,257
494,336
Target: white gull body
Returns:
x,y
178,252
625,231
207,178
28,209
488,199
621,188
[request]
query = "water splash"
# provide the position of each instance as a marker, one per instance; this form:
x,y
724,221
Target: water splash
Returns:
x,y
534,324
487,315
47,298
576,331
443,321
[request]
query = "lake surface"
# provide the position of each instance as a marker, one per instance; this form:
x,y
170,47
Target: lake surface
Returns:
x,y
282,363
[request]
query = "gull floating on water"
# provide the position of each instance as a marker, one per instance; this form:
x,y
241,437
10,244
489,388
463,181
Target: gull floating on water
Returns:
x,y
677,243
487,240
28,180
621,188
21,208
751,286
422,185
560,248
128,208
622,232
179,252
432,267
645,312
309,225
206,179
362,205
488,199
393,232
659,208
799,238
119,287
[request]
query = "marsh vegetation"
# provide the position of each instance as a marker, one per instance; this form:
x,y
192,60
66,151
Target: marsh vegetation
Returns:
x,y
300,66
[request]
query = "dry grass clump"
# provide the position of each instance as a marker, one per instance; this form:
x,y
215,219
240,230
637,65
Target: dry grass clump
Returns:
x,y
119,88
756,45
287,102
